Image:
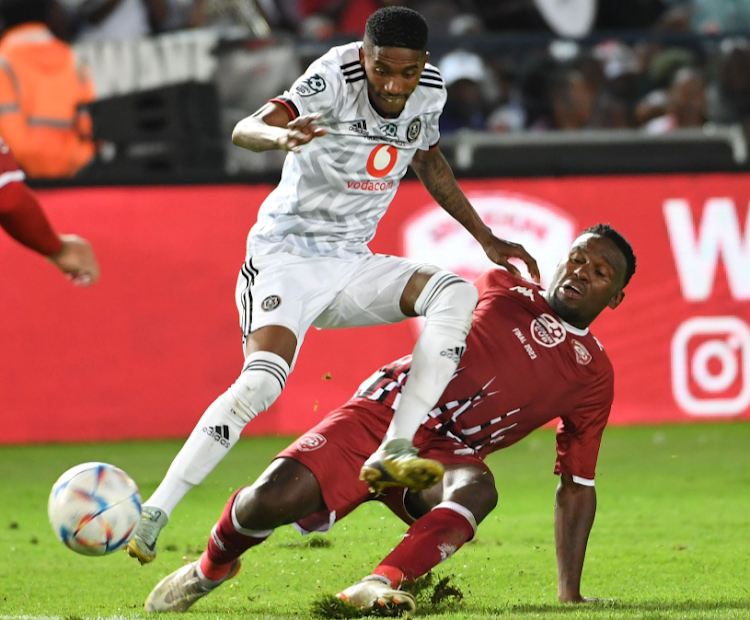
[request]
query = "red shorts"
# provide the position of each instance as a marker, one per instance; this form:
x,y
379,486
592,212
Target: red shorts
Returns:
x,y
338,446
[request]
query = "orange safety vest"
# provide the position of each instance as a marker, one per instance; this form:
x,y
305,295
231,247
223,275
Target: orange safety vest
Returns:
x,y
41,94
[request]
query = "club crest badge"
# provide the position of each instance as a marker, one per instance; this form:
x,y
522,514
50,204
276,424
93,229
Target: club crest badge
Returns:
x,y
270,303
311,442
583,357
547,331
311,86
414,129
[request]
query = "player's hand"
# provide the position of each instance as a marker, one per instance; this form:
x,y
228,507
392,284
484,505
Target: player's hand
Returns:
x,y
76,260
499,251
301,130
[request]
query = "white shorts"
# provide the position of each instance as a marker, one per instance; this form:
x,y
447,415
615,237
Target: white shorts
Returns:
x,y
298,292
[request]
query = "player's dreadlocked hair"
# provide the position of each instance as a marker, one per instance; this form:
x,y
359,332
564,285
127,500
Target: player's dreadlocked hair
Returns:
x,y
605,230
396,26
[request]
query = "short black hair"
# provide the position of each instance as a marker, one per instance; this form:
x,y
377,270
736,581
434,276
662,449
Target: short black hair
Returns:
x,y
605,230
396,26
16,12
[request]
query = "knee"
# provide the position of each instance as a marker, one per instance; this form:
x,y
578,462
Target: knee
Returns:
x,y
261,507
478,496
258,386
448,298
446,290
488,499
466,297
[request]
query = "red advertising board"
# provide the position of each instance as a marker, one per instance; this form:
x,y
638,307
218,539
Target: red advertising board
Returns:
x,y
141,354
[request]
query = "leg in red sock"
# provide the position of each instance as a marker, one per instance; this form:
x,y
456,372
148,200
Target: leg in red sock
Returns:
x,y
432,539
228,542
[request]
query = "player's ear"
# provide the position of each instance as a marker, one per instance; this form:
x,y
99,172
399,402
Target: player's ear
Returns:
x,y
362,55
616,299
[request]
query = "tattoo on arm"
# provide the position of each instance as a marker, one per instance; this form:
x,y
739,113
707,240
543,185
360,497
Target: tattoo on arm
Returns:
x,y
436,175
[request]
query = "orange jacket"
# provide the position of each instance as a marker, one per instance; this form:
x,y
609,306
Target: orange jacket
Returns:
x,y
41,90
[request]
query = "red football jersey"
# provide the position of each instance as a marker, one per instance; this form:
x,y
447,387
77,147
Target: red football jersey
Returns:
x,y
523,367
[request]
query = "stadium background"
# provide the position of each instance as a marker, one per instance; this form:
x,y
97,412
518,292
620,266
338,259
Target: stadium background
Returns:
x,y
169,203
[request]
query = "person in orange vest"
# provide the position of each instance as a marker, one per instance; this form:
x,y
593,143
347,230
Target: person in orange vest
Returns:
x,y
42,92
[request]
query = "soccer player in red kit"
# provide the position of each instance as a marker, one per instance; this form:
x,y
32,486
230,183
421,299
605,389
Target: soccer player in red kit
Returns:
x,y
23,219
530,358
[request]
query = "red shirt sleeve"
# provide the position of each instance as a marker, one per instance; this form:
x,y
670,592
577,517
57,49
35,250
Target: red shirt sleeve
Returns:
x,y
22,217
579,434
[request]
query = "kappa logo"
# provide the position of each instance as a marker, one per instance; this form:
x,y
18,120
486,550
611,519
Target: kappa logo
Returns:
x,y
454,353
526,292
359,127
547,331
414,129
270,303
310,442
311,86
219,433
583,357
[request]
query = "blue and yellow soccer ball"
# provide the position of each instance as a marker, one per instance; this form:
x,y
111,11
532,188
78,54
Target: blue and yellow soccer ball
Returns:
x,y
93,508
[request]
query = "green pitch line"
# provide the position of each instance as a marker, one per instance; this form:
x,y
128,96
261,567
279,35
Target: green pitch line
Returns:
x,y
670,539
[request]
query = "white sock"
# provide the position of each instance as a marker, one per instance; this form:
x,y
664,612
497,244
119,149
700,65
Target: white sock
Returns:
x,y
261,382
447,302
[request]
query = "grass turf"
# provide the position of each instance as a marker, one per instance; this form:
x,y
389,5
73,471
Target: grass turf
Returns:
x,y
669,542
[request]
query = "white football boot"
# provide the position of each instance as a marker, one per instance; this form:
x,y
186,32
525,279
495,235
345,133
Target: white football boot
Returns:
x,y
178,591
378,599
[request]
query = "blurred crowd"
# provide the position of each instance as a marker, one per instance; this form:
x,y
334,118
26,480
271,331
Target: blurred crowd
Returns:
x,y
83,20
652,86
652,65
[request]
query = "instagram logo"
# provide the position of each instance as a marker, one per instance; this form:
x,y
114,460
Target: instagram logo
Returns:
x,y
711,366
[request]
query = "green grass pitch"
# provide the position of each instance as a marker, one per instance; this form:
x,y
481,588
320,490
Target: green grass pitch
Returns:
x,y
670,539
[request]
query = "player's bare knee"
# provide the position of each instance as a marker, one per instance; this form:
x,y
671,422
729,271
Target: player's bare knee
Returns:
x,y
258,507
261,382
488,498
475,490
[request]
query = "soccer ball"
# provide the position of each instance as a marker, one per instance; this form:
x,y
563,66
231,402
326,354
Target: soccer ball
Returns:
x,y
94,508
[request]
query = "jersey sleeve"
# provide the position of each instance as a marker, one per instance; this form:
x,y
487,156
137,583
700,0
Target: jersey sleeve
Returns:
x,y
22,217
433,85
431,135
579,434
315,92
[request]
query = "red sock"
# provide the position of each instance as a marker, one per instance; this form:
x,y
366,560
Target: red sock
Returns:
x,y
226,544
432,539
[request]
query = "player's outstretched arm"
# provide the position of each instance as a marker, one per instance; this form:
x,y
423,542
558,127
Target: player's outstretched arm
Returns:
x,y
436,175
22,217
575,507
271,128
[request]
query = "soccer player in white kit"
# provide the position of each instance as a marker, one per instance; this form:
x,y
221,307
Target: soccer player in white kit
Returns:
x,y
353,123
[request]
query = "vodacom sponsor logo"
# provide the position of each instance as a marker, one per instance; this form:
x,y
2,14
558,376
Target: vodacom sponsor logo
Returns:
x,y
381,161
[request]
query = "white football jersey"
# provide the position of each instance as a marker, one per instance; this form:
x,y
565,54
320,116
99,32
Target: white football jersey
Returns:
x,y
333,193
